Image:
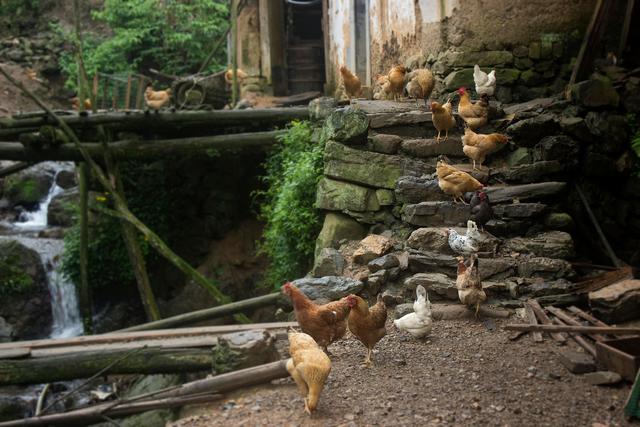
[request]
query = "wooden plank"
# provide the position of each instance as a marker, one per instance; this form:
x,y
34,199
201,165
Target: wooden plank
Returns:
x,y
140,92
571,321
570,328
586,316
15,353
589,348
531,317
105,93
127,95
544,319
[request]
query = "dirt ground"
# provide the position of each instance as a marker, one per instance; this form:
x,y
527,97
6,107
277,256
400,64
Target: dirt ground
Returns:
x,y
464,375
13,101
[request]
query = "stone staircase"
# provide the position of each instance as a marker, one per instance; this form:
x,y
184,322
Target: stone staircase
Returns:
x,y
379,178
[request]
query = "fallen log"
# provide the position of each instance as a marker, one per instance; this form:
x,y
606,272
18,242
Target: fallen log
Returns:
x,y
140,149
531,317
544,319
233,350
180,395
207,314
570,328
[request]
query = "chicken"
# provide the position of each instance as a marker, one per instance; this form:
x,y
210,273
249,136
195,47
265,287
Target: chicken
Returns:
x,y
382,88
481,208
309,367
367,323
325,323
475,115
485,83
455,182
420,84
157,99
466,244
228,76
469,285
442,118
476,146
419,322
396,80
75,103
352,85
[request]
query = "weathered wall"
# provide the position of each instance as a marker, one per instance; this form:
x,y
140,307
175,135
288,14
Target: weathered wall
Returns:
x,y
249,38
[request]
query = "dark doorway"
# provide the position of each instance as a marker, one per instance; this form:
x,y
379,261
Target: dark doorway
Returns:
x,y
305,46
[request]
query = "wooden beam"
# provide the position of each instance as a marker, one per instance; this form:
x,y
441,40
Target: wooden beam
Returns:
x,y
17,167
136,149
571,321
544,319
531,317
127,95
586,316
84,291
589,330
580,340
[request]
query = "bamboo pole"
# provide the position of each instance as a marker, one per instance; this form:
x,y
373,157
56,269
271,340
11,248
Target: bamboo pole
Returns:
x,y
152,237
84,291
589,330
234,51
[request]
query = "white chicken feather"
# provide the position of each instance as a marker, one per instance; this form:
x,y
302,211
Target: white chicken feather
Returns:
x,y
485,83
466,244
418,323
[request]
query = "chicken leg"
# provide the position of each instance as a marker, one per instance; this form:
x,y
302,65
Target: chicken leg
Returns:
x,y
477,309
438,137
368,362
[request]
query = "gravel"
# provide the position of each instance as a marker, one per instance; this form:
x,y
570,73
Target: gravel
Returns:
x,y
464,374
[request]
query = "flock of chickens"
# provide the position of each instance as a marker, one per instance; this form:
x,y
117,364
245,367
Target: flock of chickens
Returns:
x,y
323,325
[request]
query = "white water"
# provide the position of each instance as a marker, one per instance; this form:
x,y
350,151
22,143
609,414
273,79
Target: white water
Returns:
x,y
64,302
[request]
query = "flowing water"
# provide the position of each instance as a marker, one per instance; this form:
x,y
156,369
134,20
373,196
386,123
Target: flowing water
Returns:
x,y
64,302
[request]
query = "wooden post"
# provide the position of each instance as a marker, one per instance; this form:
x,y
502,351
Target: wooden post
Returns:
x,y
94,93
114,96
234,51
105,93
84,292
544,319
127,96
140,92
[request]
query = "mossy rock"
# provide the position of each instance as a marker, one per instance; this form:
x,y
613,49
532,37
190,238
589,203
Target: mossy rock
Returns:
x,y
337,227
20,268
347,126
459,78
26,190
507,76
343,196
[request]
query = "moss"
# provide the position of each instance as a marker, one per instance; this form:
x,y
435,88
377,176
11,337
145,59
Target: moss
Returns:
x,y
13,280
25,190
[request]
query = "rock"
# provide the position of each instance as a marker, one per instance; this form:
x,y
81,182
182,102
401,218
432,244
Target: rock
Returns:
x,y
383,263
576,127
28,187
577,363
557,148
62,208
524,192
544,67
528,132
15,407
432,262
546,268
537,287
430,147
535,50
372,169
429,214
559,221
337,227
348,126
23,289
121,315
530,78
519,210
257,345
321,108
6,332
66,179
376,280
413,189
618,302
392,296
523,63
496,268
330,262
460,78
529,173
435,283
146,384
507,76
330,288
416,61
594,93
520,156
520,51
602,378
504,94
487,58
552,244
371,247
384,143
402,310
611,129
385,197
432,239
343,196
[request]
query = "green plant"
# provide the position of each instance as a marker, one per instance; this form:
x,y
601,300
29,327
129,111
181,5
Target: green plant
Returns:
x,y
292,222
108,258
173,36
13,279
25,190
17,16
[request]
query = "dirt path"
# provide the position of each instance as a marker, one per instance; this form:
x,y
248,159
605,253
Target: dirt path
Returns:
x,y
464,375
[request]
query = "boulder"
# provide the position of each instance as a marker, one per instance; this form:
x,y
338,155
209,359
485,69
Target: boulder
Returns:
x,y
546,268
432,239
551,244
536,288
529,173
392,296
487,58
348,126
496,268
66,179
337,227
28,187
371,247
507,76
594,93
62,208
519,210
528,132
385,262
25,296
321,108
368,168
384,143
459,78
557,148
329,262
577,363
498,194
559,221
385,197
413,189
429,214
520,156
610,129
575,127
617,302
432,262
343,196
6,331
430,147
437,284
328,288
146,384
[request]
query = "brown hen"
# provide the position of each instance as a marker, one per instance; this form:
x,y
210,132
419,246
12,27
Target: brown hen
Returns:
x,y
367,323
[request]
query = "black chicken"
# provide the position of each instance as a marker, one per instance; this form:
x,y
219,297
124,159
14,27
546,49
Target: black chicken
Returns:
x,y
481,208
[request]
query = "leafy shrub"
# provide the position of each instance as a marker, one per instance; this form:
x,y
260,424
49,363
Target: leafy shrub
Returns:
x,y
292,222
108,258
17,16
172,36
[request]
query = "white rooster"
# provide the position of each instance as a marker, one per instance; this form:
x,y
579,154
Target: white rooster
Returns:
x,y
419,322
485,83
466,244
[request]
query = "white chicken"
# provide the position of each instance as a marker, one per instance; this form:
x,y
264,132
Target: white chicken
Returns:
x,y
485,83
466,244
418,323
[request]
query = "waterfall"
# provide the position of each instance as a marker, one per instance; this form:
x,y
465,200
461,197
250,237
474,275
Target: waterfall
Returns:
x,y
64,302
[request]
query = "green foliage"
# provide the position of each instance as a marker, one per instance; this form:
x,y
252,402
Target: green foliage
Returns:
x,y
18,15
634,126
108,258
23,189
13,279
173,36
292,222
